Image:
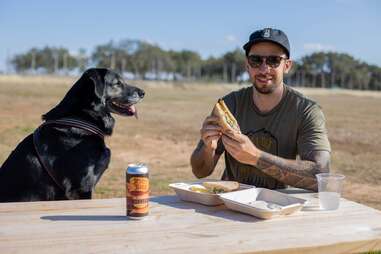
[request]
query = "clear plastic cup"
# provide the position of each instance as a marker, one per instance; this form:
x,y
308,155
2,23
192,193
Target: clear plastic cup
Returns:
x,y
330,187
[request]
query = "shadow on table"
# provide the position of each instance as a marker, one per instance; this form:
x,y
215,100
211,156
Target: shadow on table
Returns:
x,y
85,218
173,201
218,211
223,212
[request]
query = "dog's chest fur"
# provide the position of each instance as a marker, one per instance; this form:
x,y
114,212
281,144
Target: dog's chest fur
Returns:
x,y
78,158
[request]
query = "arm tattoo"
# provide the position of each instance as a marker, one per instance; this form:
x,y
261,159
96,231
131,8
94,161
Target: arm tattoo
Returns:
x,y
297,173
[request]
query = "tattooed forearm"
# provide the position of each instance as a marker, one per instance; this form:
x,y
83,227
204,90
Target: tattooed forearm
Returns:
x,y
202,162
297,173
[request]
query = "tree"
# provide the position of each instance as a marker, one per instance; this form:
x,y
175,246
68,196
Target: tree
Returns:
x,y
82,59
186,63
149,61
49,60
212,69
235,62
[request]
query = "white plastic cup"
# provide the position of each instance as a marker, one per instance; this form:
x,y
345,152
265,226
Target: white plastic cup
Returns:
x,y
330,187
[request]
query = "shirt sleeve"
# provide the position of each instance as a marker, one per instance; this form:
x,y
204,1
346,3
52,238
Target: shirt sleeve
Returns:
x,y
313,134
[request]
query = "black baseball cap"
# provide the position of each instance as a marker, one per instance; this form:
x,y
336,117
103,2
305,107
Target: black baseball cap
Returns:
x,y
271,35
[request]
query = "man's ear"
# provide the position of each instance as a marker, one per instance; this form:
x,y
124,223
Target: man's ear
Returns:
x,y
287,66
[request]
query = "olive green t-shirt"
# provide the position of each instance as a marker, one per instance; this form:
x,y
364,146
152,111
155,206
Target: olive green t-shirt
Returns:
x,y
294,127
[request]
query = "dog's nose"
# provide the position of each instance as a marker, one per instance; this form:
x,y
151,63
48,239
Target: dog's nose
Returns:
x,y
141,93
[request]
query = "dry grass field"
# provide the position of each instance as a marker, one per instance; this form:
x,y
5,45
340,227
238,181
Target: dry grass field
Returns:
x,y
168,129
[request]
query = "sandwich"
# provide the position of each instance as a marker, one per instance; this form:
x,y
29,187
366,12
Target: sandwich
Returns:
x,y
226,119
221,186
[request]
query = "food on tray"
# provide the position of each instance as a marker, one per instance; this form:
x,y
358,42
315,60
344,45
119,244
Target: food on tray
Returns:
x,y
215,187
226,119
198,188
221,186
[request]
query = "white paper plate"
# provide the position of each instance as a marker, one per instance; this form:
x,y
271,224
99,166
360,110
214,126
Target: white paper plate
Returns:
x,y
183,192
262,203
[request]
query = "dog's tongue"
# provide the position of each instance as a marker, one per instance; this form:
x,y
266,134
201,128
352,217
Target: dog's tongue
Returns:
x,y
133,110
136,113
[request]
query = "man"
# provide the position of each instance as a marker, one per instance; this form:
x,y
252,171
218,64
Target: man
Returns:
x,y
283,139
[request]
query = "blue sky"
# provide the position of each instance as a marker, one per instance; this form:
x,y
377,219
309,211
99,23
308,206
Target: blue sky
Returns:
x,y
208,27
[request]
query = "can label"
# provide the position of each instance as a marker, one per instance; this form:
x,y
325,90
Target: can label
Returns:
x,y
137,195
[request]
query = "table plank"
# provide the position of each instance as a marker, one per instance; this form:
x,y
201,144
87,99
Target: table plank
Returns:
x,y
173,226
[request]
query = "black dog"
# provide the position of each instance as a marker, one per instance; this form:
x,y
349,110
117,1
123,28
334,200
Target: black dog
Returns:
x,y
66,156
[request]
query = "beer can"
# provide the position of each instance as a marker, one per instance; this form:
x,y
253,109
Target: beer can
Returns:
x,y
137,191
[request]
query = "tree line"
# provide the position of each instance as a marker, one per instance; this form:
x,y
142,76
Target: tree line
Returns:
x,y
142,60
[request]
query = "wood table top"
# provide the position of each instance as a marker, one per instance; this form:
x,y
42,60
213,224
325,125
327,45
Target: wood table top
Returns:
x,y
175,226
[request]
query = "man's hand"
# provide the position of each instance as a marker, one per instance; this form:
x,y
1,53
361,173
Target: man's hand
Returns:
x,y
241,148
210,133
204,158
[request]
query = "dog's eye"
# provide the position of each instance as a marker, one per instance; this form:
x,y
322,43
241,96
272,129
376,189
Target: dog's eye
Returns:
x,y
117,83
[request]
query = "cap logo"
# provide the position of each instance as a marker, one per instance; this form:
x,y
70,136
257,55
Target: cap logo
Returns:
x,y
266,33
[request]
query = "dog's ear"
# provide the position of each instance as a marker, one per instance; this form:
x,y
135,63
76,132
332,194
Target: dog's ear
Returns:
x,y
79,95
98,77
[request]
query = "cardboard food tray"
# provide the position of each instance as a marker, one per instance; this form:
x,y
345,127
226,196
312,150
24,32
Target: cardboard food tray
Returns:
x,y
262,203
209,199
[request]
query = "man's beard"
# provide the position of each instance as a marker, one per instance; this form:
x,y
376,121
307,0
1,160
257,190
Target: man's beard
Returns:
x,y
265,90
264,87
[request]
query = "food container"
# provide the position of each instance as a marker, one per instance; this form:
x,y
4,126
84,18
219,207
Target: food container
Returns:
x,y
262,203
184,193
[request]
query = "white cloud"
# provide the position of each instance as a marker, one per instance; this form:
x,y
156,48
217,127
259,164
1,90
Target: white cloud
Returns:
x,y
318,47
230,38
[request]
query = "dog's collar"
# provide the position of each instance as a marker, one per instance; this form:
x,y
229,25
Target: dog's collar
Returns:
x,y
81,124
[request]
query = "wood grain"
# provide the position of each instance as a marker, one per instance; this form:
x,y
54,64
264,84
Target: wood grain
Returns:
x,y
174,226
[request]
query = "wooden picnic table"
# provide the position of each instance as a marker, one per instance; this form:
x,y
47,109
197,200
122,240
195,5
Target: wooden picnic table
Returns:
x,y
174,226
